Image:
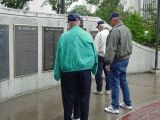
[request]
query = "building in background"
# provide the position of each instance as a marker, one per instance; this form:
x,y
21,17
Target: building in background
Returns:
x,y
132,4
141,6
149,5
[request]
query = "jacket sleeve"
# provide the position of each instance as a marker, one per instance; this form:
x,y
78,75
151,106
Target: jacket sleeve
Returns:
x,y
95,67
111,46
57,70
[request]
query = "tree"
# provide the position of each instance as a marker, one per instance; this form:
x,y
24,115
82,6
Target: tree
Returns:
x,y
16,4
142,28
81,9
106,7
93,2
138,27
57,4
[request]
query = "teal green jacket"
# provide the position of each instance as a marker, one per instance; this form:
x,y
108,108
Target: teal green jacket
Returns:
x,y
75,52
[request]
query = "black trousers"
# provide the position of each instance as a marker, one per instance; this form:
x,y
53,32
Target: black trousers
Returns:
x,y
73,84
76,109
98,76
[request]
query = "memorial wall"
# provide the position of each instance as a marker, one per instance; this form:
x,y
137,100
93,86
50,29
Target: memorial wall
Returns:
x,y
28,44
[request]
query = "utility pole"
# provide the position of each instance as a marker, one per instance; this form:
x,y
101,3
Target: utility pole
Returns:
x,y
158,34
62,6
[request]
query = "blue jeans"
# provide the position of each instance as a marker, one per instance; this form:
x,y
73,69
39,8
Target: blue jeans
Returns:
x,y
117,77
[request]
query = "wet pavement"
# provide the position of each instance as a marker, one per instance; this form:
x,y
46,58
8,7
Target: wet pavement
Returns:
x,y
47,104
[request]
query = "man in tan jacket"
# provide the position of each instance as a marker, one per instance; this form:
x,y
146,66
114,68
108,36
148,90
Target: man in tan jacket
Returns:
x,y
118,51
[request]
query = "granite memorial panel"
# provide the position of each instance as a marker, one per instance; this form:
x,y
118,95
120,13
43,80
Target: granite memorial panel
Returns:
x,y
4,52
26,50
50,39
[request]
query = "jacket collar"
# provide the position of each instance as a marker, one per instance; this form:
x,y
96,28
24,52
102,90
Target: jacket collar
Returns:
x,y
118,25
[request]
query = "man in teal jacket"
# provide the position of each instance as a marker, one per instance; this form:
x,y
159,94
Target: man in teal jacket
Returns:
x,y
76,58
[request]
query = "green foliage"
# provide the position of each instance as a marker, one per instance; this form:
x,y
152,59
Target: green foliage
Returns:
x,y
56,4
151,21
16,4
142,28
81,9
151,27
137,26
105,7
93,2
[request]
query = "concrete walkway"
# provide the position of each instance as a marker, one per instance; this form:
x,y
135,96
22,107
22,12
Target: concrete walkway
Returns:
x,y
47,104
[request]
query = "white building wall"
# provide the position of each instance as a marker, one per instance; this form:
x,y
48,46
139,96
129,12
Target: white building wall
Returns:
x,y
132,4
142,59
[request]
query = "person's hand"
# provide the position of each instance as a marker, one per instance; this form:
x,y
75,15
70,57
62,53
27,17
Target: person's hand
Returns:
x,y
107,67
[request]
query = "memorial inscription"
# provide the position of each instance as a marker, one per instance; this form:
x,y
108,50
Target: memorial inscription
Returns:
x,y
4,52
50,39
26,49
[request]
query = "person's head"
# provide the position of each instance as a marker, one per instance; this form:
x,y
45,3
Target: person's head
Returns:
x,y
115,19
73,20
101,25
81,24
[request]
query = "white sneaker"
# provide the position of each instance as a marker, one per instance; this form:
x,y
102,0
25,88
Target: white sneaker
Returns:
x,y
110,109
76,119
108,92
123,105
98,92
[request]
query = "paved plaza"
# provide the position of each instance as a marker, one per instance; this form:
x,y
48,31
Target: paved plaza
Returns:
x,y
47,105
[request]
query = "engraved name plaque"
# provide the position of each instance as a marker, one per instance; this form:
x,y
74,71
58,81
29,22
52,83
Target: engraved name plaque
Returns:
x,y
26,50
50,39
4,52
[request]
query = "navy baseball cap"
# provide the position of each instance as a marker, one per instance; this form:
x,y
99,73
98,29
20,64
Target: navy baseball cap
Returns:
x,y
114,15
99,23
73,17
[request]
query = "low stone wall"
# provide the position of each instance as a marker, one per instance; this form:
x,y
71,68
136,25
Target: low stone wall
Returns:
x,y
142,59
